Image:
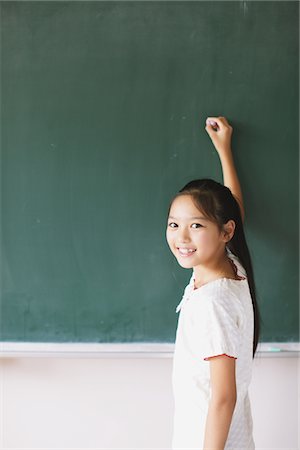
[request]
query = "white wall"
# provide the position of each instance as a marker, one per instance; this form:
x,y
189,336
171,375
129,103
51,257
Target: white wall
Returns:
x,y
126,403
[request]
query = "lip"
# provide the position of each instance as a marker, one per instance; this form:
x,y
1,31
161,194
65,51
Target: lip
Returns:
x,y
185,255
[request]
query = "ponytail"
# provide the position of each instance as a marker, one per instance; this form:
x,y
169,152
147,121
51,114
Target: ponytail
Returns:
x,y
238,246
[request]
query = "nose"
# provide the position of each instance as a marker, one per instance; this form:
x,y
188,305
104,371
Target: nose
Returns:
x,y
183,236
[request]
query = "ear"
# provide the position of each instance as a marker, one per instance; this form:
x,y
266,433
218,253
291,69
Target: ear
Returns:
x,y
228,230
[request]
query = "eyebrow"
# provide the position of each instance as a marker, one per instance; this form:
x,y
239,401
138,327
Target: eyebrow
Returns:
x,y
190,218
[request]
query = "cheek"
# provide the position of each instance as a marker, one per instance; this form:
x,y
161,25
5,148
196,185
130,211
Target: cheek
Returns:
x,y
201,238
205,240
171,240
168,237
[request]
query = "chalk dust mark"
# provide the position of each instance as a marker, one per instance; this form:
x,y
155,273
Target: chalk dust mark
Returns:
x,y
244,6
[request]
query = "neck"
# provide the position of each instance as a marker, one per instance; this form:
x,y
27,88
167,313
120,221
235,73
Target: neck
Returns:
x,y
211,270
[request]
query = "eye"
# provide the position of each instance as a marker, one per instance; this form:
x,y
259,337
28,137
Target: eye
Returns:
x,y
197,225
172,225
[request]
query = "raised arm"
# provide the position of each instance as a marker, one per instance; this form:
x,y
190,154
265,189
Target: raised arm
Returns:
x,y
220,133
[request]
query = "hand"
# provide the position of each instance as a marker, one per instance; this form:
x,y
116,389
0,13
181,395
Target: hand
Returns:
x,y
220,133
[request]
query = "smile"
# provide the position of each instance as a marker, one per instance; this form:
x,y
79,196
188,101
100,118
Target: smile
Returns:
x,y
186,251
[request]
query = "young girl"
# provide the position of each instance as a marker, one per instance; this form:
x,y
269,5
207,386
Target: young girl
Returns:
x,y
218,326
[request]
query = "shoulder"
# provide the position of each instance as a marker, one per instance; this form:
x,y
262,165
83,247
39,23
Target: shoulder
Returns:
x,y
221,290
220,299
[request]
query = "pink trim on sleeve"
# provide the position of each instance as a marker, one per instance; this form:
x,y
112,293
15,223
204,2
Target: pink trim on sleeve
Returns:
x,y
206,359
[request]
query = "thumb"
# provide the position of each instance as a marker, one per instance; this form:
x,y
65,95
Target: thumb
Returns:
x,y
209,129
214,122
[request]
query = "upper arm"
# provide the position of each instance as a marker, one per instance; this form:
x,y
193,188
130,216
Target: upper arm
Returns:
x,y
241,208
223,380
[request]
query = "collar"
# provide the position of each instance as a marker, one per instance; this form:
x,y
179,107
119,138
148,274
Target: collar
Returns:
x,y
190,287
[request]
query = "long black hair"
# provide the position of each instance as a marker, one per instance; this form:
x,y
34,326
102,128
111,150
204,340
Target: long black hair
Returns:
x,y
218,204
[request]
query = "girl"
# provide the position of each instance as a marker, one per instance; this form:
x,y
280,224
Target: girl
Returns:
x,y
218,326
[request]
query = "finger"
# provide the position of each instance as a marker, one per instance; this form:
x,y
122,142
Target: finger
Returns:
x,y
212,125
224,120
210,130
214,121
220,121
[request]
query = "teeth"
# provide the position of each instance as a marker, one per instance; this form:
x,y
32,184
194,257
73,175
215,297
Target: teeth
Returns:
x,y
186,250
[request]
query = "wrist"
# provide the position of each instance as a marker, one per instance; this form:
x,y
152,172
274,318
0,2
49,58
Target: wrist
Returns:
x,y
225,154
224,148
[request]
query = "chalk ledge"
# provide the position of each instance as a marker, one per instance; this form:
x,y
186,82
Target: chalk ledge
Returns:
x,y
124,350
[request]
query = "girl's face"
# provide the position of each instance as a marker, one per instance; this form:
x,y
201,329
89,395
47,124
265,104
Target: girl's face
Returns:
x,y
193,239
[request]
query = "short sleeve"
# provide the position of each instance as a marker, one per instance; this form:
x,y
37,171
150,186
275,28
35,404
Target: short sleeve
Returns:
x,y
216,329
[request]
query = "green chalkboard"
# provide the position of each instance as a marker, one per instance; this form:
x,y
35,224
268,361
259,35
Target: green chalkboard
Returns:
x,y
102,115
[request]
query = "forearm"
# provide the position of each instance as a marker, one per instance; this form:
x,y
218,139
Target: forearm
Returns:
x,y
231,180
217,425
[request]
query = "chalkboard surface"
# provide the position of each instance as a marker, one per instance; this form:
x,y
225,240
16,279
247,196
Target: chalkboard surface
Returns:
x,y
103,112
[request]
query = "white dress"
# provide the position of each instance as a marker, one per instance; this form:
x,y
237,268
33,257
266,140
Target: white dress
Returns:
x,y
215,319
